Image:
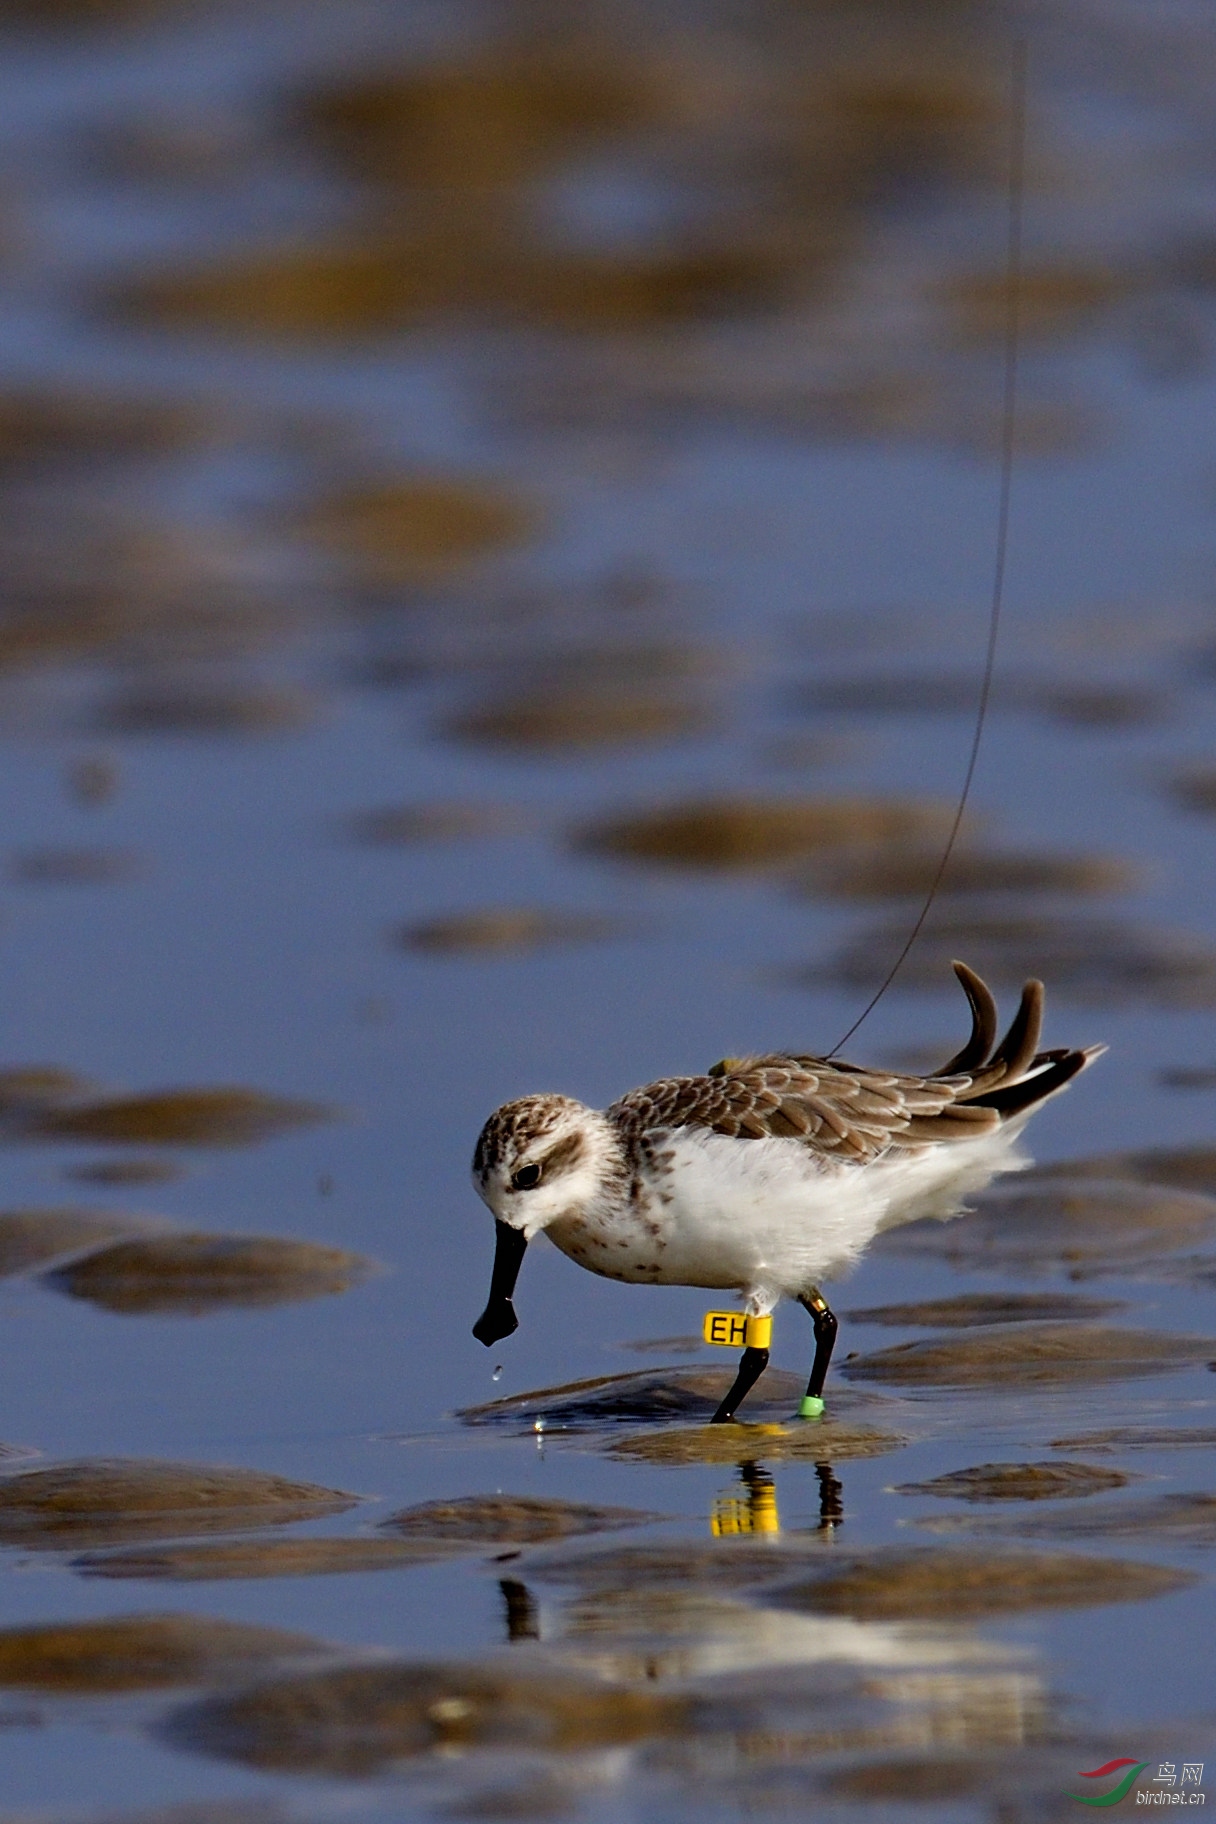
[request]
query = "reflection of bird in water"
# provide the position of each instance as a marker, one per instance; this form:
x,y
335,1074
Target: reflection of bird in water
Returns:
x,y
755,1510
634,1622
523,1623
831,1498
765,1176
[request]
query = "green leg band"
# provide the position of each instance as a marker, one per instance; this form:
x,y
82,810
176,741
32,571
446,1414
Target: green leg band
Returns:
x,y
810,1406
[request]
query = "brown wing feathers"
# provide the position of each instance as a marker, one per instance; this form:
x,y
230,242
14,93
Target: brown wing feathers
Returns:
x,y
844,1111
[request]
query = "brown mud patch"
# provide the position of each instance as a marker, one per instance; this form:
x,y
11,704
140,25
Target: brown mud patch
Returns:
x,y
1050,1481
419,529
681,1395
1183,1168
254,1558
31,1238
928,1781
201,709
970,1309
191,1274
807,1441
741,835
1065,1222
505,930
910,873
141,1653
923,1583
508,1520
179,1117
1141,1437
97,1500
356,1721
620,1572
573,720
1030,1355
479,120
41,429
1181,1518
385,283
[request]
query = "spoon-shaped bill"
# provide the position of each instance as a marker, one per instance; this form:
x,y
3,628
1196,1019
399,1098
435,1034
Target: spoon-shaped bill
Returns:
x,y
499,1319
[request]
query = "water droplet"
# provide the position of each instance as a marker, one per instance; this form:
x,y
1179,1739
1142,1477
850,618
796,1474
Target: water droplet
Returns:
x,y
497,1374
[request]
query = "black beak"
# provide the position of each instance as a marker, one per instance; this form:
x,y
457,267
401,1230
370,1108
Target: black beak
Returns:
x,y
499,1319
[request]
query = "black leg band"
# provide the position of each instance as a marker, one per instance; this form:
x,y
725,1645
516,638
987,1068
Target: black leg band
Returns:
x,y
751,1367
826,1327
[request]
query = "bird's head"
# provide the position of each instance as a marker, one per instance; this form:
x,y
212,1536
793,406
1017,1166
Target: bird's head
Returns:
x,y
537,1160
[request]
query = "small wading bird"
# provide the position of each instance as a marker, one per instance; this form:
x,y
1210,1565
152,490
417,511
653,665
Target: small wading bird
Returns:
x,y
763,1177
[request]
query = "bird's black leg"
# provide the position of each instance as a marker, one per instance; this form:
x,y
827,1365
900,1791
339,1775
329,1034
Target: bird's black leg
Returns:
x,y
751,1366
825,1340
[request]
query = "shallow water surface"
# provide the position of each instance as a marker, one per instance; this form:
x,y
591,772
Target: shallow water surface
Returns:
x,y
497,516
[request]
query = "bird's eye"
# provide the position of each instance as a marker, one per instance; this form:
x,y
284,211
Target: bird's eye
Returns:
x,y
526,1178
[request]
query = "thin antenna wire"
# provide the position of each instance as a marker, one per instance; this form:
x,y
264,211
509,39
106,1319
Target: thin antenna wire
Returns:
x,y
1013,279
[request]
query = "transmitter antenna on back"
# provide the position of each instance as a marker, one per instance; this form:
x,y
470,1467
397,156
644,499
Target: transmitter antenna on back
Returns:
x,y
1013,286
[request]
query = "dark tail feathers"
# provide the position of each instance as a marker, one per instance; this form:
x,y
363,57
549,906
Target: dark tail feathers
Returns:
x,y
1016,1075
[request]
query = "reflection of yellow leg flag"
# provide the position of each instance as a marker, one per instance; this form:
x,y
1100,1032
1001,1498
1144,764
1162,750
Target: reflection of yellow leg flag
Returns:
x,y
754,1511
